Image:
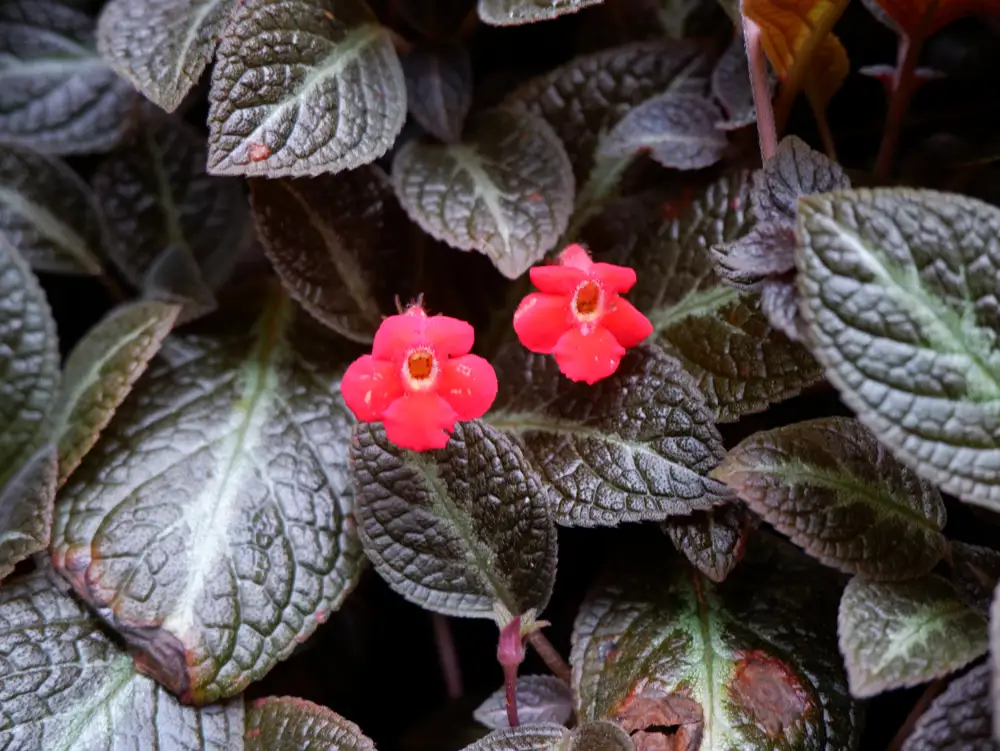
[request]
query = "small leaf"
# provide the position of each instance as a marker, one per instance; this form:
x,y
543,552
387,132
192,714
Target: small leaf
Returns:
x,y
919,19
896,287
958,719
26,501
302,87
59,96
732,88
48,214
713,541
541,737
514,12
974,571
635,446
899,634
287,724
211,523
506,190
487,537
65,685
100,372
796,170
677,130
841,497
540,699
439,88
174,277
162,46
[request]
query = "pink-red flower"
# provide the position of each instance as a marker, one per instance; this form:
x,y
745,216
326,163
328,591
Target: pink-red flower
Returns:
x,y
420,380
579,317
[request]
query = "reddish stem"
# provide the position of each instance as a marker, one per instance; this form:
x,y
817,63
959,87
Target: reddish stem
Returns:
x,y
555,662
510,698
767,131
448,656
510,654
904,83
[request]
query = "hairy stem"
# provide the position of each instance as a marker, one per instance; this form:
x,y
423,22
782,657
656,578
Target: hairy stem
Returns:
x,y
552,658
767,132
904,83
448,656
510,695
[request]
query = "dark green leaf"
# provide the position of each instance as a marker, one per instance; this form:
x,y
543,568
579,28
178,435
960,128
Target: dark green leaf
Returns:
x,y
59,96
439,88
302,87
601,736
65,685
897,289
506,190
905,633
841,497
26,501
540,699
174,277
794,171
100,372
162,46
211,523
958,719
975,572
459,530
731,85
713,541
514,12
632,447
288,724
542,737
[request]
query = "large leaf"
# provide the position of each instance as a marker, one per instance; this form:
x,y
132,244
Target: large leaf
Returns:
x,y
162,46
713,541
287,724
156,195
48,214
100,372
439,88
841,496
65,685
513,12
682,663
634,446
540,698
918,19
460,530
59,96
26,501
302,87
506,190
905,633
958,719
211,524
897,289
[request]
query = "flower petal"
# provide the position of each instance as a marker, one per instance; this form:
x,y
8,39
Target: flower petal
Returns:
x,y
614,278
369,386
396,335
450,336
540,320
588,357
469,385
418,421
556,280
627,324
576,256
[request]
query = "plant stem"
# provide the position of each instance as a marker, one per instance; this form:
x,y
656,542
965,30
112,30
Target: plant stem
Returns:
x,y
554,661
448,656
767,132
510,695
904,83
919,708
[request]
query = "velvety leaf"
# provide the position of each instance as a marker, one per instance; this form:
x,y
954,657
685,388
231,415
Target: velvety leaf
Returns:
x,y
337,242
994,662
26,501
974,571
919,19
302,87
634,446
541,737
458,530
713,541
796,170
162,46
100,372
958,719
540,699
48,214
439,88
211,523
506,190
174,277
64,684
897,287
731,85
841,497
905,633
682,663
288,724
601,736
59,96
514,12
155,193
677,130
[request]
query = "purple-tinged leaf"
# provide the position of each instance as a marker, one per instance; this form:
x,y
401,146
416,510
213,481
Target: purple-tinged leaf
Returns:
x,y
959,718
515,12
713,541
439,88
284,723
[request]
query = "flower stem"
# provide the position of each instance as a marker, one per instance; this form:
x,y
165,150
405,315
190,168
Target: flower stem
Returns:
x,y
767,132
448,656
510,696
904,83
552,658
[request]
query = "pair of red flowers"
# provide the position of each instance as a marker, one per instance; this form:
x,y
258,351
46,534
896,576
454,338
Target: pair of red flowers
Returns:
x,y
420,379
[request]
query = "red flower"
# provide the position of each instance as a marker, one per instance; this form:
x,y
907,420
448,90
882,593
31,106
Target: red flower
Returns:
x,y
579,317
419,379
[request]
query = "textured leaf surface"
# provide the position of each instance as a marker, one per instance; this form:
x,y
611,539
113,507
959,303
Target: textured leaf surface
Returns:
x,y
540,699
174,277
840,496
514,12
439,88
897,290
302,87
287,724
155,193
542,737
905,633
731,85
458,530
47,213
795,170
162,46
100,372
958,719
59,95
975,571
506,190
64,684
26,501
634,446
713,541
211,525
337,242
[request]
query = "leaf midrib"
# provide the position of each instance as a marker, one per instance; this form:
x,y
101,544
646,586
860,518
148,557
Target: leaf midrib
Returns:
x,y
532,423
52,228
469,160
121,673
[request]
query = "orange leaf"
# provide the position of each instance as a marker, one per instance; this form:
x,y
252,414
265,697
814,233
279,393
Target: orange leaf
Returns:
x,y
827,72
918,19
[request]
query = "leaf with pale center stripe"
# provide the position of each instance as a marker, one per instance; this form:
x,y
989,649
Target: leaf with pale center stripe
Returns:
x,y
283,723
514,12
713,541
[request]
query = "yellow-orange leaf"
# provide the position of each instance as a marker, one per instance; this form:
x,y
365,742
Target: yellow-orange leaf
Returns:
x,y
827,71
918,19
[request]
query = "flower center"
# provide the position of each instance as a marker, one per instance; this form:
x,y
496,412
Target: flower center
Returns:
x,y
420,369
587,302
